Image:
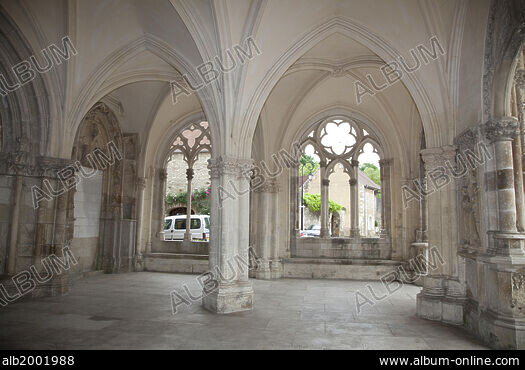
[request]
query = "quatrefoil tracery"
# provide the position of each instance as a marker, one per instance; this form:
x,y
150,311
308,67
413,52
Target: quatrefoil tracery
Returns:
x,y
191,141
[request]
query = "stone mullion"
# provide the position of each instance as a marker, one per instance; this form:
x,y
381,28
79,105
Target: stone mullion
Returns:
x,y
354,201
325,184
385,166
189,178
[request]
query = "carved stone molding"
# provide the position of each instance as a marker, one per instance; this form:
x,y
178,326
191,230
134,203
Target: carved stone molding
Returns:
x,y
518,281
189,173
436,158
387,162
240,168
467,139
269,186
141,183
503,129
519,78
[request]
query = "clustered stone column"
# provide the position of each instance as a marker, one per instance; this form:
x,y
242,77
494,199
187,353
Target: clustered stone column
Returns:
x,y
227,288
354,200
294,200
443,295
268,260
189,177
141,187
325,203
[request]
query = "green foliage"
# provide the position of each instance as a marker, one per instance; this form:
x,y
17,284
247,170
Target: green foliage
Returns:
x,y
313,202
307,165
200,200
371,171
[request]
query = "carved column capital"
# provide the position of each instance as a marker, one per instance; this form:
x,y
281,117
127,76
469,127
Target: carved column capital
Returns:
x,y
387,162
241,168
354,163
325,182
502,129
353,182
434,158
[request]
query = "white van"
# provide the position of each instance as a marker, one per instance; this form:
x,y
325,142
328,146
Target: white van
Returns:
x,y
175,227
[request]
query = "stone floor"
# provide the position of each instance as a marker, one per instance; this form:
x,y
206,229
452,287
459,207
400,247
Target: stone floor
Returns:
x,y
134,311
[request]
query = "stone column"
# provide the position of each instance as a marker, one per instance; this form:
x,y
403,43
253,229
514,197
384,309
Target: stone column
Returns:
x,y
443,295
325,197
268,255
140,248
501,312
276,263
501,133
517,151
384,169
226,287
189,177
163,176
263,233
13,232
354,200
151,209
294,207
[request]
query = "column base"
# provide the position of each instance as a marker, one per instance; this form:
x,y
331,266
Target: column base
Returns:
x,y
229,298
263,272
508,244
443,300
276,268
355,233
188,237
324,233
502,332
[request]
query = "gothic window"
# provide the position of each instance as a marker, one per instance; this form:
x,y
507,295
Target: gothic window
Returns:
x,y
342,159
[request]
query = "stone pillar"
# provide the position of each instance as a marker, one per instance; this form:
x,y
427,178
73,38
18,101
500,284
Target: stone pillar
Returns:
x,y
325,197
501,132
517,151
163,176
189,177
294,207
501,312
140,248
275,263
151,216
354,200
13,232
227,288
443,296
384,169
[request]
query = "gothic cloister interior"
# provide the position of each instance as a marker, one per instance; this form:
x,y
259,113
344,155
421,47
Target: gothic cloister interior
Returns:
x,y
116,114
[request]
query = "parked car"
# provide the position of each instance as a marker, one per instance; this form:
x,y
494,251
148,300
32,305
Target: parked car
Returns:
x,y
175,227
311,231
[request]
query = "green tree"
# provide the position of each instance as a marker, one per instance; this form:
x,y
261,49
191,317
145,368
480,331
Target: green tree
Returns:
x,y
307,165
371,171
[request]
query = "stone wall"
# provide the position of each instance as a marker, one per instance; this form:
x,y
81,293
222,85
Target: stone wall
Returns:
x,y
176,182
87,201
